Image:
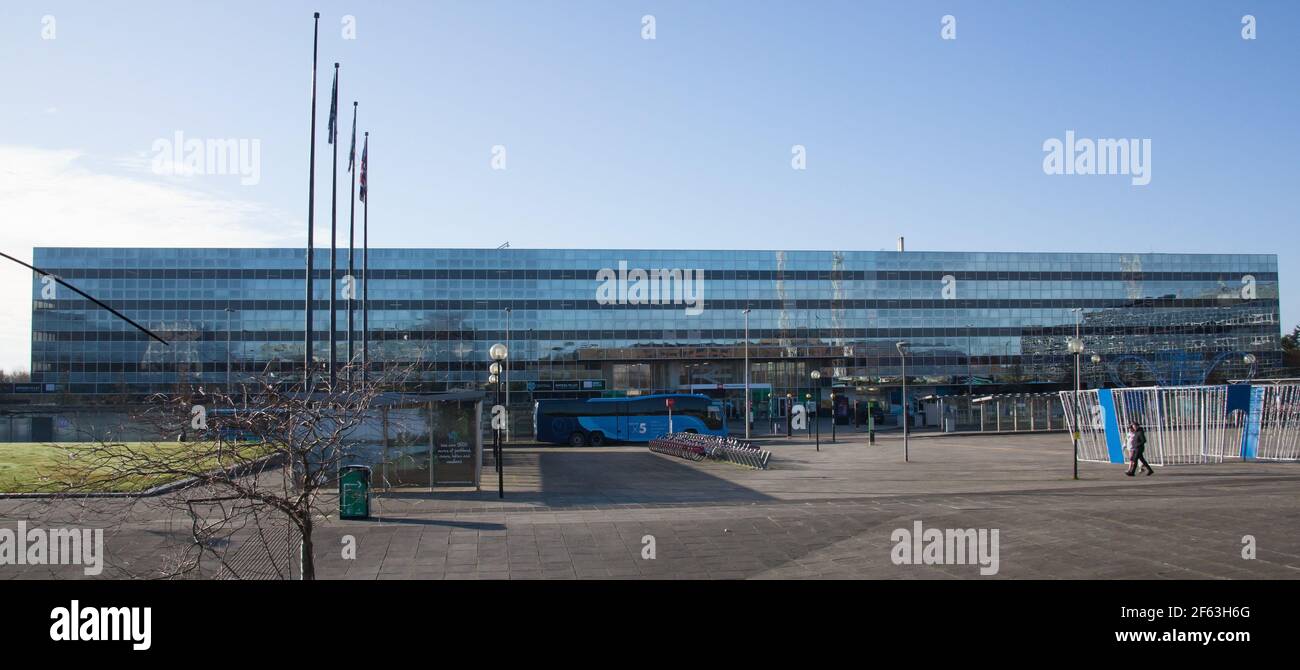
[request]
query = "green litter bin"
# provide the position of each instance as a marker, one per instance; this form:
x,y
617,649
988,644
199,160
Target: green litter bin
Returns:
x,y
354,492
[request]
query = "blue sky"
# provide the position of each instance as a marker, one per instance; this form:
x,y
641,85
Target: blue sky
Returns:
x,y
683,141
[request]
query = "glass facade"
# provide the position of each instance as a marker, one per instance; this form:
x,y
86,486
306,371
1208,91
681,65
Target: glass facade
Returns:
x,y
588,322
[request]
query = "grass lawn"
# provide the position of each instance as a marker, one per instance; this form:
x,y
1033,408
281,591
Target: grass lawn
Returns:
x,y
26,466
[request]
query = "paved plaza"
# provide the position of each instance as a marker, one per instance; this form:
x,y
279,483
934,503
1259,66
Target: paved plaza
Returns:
x,y
586,513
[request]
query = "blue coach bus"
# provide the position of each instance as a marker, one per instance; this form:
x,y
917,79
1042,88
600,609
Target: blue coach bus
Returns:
x,y
595,421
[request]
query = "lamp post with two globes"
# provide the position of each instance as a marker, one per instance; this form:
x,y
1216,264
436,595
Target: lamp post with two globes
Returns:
x,y
498,353
816,376
1076,348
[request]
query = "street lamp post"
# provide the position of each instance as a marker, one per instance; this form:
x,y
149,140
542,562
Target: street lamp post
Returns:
x,y
1076,348
747,401
506,374
789,415
817,377
902,353
499,352
493,381
229,311
817,427
833,408
970,372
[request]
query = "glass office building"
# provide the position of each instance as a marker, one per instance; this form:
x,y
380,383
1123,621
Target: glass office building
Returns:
x,y
626,322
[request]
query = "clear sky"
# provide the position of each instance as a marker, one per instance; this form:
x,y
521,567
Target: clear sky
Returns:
x,y
683,141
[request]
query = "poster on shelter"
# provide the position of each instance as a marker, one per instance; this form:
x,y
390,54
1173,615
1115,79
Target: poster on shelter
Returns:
x,y
455,442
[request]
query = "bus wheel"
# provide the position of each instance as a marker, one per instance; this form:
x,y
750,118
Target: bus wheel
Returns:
x,y
596,439
577,439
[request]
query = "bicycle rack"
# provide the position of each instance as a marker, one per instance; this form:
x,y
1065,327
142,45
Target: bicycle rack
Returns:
x,y
696,447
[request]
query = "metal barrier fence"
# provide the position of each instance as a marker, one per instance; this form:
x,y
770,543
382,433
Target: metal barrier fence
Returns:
x,y
1083,417
1279,431
1188,424
696,447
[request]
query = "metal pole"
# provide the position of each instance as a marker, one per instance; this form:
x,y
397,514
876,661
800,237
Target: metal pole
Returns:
x,y
906,456
365,285
1074,408
334,229
352,235
505,371
747,400
1075,436
311,216
817,426
501,477
1076,355
228,331
970,380
832,417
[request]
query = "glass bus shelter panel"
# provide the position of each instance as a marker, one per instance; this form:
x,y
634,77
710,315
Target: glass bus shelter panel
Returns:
x,y
408,447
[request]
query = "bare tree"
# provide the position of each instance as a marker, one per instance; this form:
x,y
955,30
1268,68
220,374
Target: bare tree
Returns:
x,y
15,377
249,468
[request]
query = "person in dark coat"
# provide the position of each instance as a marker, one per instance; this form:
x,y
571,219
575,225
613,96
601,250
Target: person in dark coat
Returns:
x,y
1137,450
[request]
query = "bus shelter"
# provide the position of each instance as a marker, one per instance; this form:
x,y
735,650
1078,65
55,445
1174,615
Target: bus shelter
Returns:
x,y
422,440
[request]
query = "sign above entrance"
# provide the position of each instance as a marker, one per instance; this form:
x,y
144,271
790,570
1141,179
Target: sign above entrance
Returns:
x,y
568,385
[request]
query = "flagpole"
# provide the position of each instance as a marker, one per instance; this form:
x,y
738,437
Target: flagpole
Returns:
x,y
334,228
311,214
352,226
365,267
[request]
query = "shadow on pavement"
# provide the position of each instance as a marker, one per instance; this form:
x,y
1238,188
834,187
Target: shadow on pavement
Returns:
x,y
636,477
590,477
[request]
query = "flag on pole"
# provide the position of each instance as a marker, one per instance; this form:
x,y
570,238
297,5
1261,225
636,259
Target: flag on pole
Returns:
x,y
334,109
364,149
352,151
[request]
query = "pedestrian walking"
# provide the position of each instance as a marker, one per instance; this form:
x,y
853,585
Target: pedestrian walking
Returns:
x,y
1137,445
